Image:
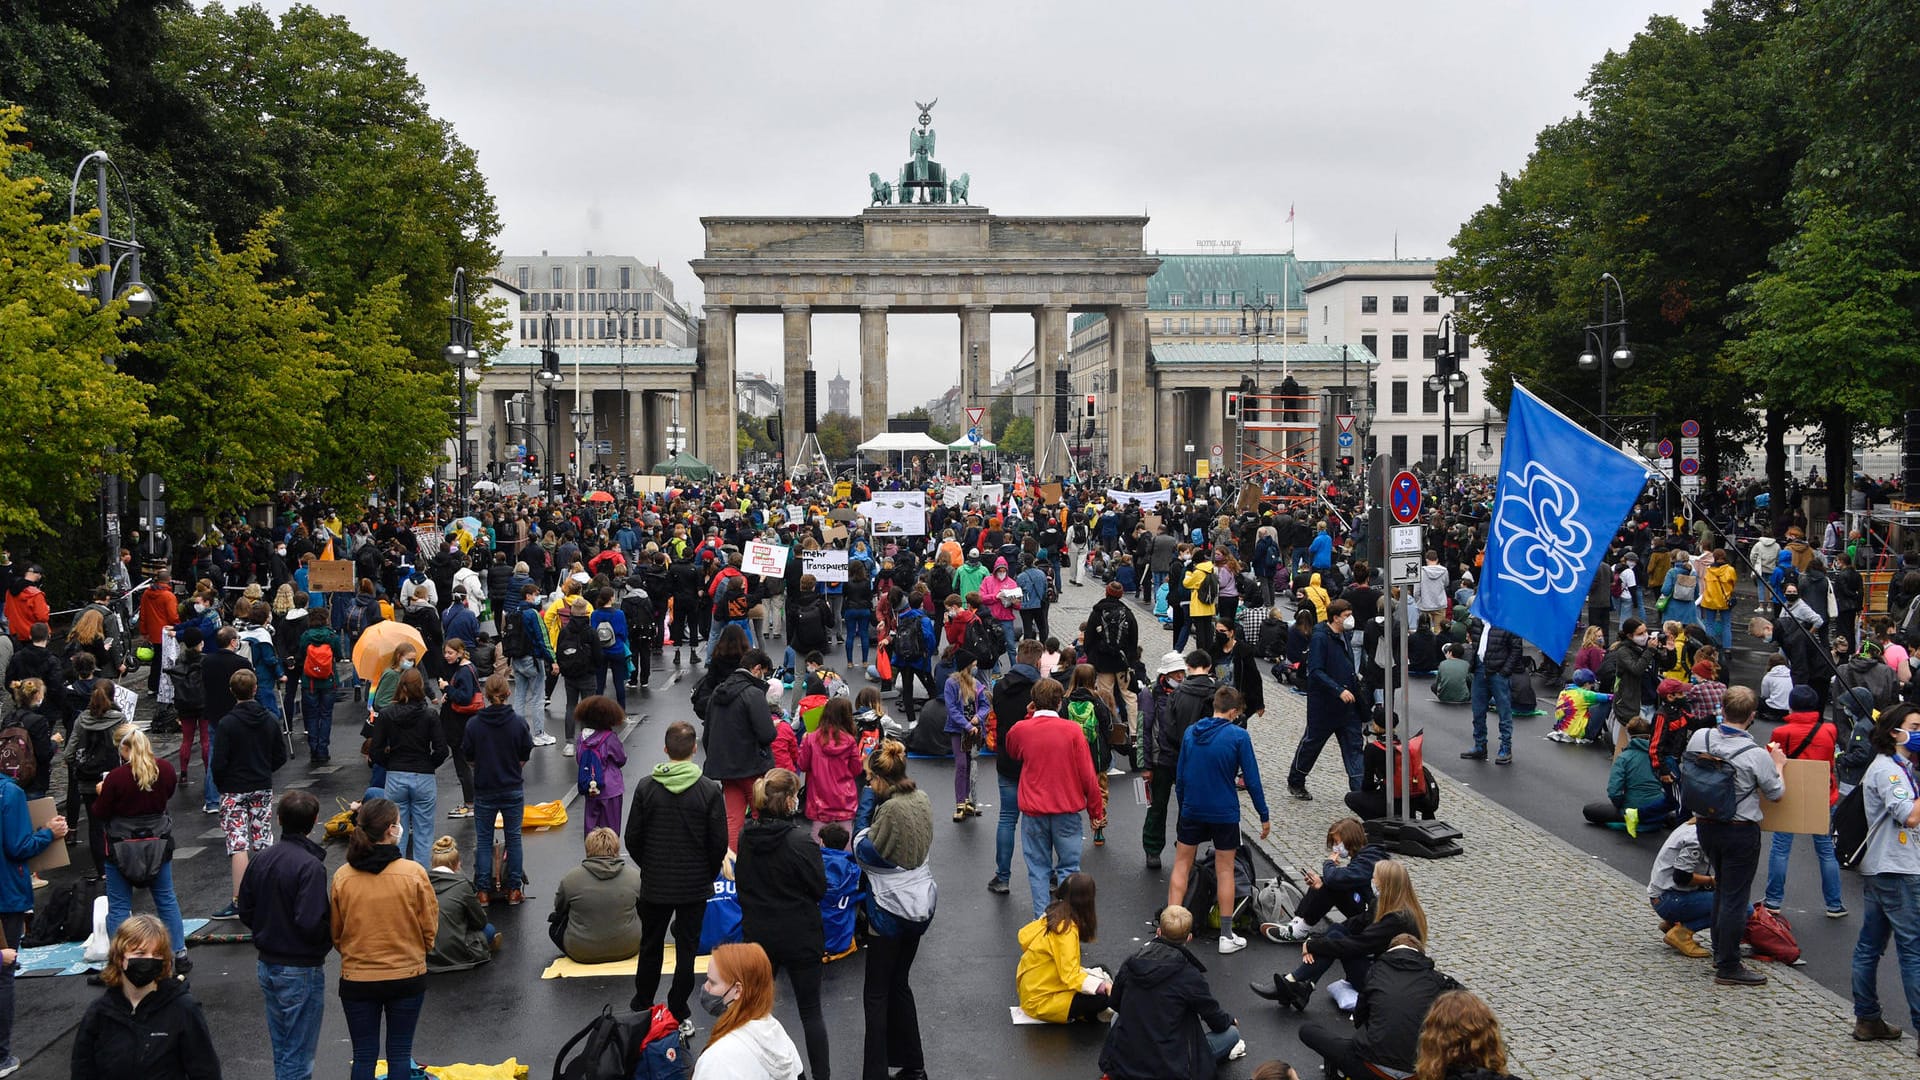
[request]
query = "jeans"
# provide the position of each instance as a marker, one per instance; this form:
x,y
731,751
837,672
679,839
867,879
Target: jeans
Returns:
x,y
1829,870
209,794
509,805
165,904
860,625
414,793
1153,834
1221,1043
863,815
529,697
962,771
1003,832
1692,909
14,925
1328,718
613,667
1719,624
1495,686
317,708
363,1028
686,920
1732,849
1051,844
296,1000
892,1014
1013,640
1892,910
743,623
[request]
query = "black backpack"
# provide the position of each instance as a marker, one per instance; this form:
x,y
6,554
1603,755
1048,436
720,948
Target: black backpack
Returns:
x,y
909,639
609,1047
1710,784
984,639
513,633
1209,590
810,622
1113,627
65,916
573,651
189,687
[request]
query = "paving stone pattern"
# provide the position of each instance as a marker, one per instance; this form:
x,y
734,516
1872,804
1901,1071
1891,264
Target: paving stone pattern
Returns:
x,y
1564,947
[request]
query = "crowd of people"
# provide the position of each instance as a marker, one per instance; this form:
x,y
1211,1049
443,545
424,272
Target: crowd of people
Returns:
x,y
794,780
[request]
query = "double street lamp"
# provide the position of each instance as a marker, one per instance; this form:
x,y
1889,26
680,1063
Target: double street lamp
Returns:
x,y
581,418
619,322
1607,341
1447,378
462,355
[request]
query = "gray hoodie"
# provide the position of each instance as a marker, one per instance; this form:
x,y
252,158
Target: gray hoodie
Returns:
x,y
93,737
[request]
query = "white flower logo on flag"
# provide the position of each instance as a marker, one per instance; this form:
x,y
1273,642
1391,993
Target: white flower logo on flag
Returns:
x,y
1543,548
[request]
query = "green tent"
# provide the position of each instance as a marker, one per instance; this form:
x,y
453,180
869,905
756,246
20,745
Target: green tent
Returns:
x,y
685,464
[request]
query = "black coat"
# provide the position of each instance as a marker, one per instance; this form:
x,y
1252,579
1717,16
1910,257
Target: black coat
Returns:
x,y
677,841
169,1040
284,901
1190,703
738,735
408,738
216,668
1401,985
248,746
781,882
1010,697
1159,994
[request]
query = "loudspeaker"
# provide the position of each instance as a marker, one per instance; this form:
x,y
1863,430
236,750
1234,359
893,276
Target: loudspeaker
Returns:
x,y
812,406
1061,410
1910,458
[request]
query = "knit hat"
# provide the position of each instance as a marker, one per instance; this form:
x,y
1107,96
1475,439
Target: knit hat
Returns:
x,y
1115,590
1582,677
1803,699
1672,688
1704,669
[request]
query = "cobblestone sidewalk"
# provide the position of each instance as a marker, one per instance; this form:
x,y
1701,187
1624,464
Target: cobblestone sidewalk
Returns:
x,y
1562,946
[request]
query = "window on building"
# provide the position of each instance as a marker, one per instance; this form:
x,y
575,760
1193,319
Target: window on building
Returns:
x,y
1429,399
1166,325
593,278
1460,398
1399,305
1323,314
626,278
568,297
1399,346
1206,326
1371,343
524,277
557,277
1399,451
1369,305
1430,304
1430,450
1399,397
566,328
589,302
1186,325
1173,299
1429,346
646,301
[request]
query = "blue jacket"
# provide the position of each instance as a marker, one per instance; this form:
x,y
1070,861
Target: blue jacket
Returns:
x,y
284,901
538,646
1329,665
1033,588
1320,551
498,744
459,621
1356,876
19,841
1211,753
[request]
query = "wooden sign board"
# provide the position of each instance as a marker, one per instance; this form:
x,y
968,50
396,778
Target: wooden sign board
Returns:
x,y
1804,808
41,811
1050,494
329,576
1249,498
1151,523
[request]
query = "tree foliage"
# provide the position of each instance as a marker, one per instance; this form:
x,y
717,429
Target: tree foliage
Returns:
x,y
381,390
67,408
1017,436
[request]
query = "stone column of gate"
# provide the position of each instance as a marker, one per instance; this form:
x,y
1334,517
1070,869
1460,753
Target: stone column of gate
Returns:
x,y
715,407
976,370
1135,405
797,332
1050,349
873,370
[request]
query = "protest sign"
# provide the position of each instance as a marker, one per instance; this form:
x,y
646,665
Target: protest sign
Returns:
x,y
824,564
767,560
897,513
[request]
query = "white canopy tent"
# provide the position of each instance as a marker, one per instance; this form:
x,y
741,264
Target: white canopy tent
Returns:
x,y
901,442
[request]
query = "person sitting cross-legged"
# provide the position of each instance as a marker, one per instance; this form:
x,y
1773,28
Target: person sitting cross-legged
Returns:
x,y
1166,1021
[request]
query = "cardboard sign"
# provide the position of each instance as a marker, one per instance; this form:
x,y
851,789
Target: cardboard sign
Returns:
x,y
824,564
329,576
648,484
838,532
1249,498
1050,494
844,513
767,560
1151,522
42,811
1805,807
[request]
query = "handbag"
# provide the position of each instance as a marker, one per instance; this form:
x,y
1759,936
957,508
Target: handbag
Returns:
x,y
140,846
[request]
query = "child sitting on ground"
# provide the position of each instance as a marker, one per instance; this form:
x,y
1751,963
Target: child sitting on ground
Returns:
x,y
465,939
1345,881
1581,709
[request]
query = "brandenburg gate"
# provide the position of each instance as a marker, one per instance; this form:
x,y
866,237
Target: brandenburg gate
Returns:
x,y
928,254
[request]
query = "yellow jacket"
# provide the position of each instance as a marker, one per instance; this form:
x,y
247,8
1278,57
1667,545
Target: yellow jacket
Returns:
x,y
1317,596
1717,591
551,616
1050,972
1200,572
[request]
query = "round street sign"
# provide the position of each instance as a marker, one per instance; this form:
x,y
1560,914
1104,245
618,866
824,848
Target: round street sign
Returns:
x,y
1218,450
1403,497
1346,439
1689,466
1666,447
1690,429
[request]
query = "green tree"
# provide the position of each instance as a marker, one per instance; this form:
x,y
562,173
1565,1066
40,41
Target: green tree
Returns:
x,y
753,434
246,379
1017,436
380,391
67,408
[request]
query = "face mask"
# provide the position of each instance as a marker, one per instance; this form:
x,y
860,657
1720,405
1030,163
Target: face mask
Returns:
x,y
279,551
1346,623
714,1004
142,970
1912,742
1639,639
405,664
1339,851
399,834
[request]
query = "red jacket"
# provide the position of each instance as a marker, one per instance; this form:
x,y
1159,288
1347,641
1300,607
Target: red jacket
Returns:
x,y
24,608
159,609
1793,731
1056,772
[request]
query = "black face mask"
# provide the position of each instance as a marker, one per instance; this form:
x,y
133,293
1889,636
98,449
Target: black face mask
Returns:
x,y
714,1004
142,971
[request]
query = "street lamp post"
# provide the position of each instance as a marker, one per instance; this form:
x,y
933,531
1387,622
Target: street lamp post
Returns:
x,y
550,375
620,318
461,354
104,289
1607,342
1445,380
581,417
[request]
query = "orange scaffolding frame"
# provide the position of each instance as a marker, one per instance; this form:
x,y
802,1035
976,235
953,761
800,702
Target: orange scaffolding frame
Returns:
x,y
1297,418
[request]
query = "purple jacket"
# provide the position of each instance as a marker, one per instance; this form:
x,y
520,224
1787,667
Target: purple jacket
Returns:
x,y
956,711
613,756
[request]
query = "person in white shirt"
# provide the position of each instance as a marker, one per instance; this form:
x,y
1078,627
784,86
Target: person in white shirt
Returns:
x,y
747,1043
1889,871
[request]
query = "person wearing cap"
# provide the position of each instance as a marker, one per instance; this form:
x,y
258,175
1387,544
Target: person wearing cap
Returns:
x,y
26,604
1805,735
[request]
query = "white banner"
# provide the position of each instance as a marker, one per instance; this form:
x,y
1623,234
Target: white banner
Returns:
x,y
825,564
795,514
428,539
955,494
767,560
896,513
1148,500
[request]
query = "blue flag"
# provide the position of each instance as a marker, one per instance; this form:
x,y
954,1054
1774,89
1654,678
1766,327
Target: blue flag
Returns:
x,y
1563,494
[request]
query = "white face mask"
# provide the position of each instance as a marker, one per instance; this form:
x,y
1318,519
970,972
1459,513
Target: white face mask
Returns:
x,y
1639,639
1338,851
1346,623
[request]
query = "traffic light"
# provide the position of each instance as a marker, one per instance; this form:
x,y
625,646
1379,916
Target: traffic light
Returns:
x,y
1093,407
533,462
573,457
1233,405
1346,461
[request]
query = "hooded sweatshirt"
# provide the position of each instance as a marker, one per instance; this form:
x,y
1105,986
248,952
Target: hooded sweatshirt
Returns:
x,y
92,740
461,941
1190,702
1158,994
598,902
739,730
385,920
498,744
832,764
165,1038
781,883
756,1050
247,748
1212,753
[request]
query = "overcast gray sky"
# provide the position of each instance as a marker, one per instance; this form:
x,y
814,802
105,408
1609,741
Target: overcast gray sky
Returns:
x,y
613,126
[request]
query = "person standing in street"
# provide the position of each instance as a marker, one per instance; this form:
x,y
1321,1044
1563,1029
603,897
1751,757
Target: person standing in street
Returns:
x,y
146,1024
248,747
319,654
900,907
1056,785
677,835
1214,753
19,841
1010,695
384,918
1732,844
283,901
1498,656
533,664
497,744
159,609
1160,749
1889,872
1111,638
781,882
1333,695
738,735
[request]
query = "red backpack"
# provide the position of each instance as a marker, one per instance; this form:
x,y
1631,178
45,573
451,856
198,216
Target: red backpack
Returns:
x,y
1771,936
319,662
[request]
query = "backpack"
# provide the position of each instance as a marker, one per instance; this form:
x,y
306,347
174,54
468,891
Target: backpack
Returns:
x,y
1851,828
1209,590
983,638
1771,936
573,652
65,916
1084,714
16,756
1609,674
1709,783
189,687
737,603
1686,588
810,622
625,1047
317,665
909,639
513,633
605,632
95,754
588,770
1275,901
1202,889
1113,626
839,908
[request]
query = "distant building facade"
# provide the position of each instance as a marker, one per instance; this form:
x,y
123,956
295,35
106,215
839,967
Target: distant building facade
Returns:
x,y
590,296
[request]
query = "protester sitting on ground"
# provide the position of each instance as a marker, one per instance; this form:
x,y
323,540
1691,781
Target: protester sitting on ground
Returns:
x,y
1395,910
1166,1021
1460,1040
596,908
747,1043
1344,882
1274,1070
465,938
1401,986
1453,680
1635,797
1581,710
1776,689
146,1025
1053,985
1681,890
1371,800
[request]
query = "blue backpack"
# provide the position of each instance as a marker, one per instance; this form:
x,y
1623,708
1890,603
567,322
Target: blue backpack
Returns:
x,y
843,898
589,770
722,921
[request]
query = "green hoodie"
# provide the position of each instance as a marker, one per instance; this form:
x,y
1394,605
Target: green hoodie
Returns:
x,y
676,776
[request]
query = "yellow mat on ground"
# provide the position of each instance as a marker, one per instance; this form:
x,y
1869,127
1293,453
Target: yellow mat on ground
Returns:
x,y
566,968
510,1069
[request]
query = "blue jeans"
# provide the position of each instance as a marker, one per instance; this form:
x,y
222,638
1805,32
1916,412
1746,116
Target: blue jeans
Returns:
x,y
414,794
529,694
614,666
1893,909
1829,870
1221,1043
860,625
1051,843
1720,625
318,710
509,805
1495,686
363,1028
1693,910
296,1000
1003,833
120,903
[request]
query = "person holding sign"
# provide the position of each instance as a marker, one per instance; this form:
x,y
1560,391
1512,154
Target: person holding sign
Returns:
x,y
19,842
1723,779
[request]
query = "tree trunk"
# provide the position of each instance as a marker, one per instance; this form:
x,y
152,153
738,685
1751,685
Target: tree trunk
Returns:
x,y
1777,509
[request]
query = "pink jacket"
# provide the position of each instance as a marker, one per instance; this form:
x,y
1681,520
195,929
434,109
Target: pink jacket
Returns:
x,y
831,768
990,589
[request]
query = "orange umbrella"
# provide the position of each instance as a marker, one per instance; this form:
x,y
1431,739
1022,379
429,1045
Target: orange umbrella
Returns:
x,y
374,650
601,497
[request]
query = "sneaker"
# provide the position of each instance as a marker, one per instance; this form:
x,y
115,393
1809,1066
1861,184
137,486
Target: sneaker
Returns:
x,y
1837,913
1239,1051
1739,976
1876,1028
1300,793
544,739
1153,860
10,1066
1505,757
516,897
1231,943
39,882
997,885
1476,754
1288,932
460,812
231,911
687,1030
182,965
210,809
567,750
